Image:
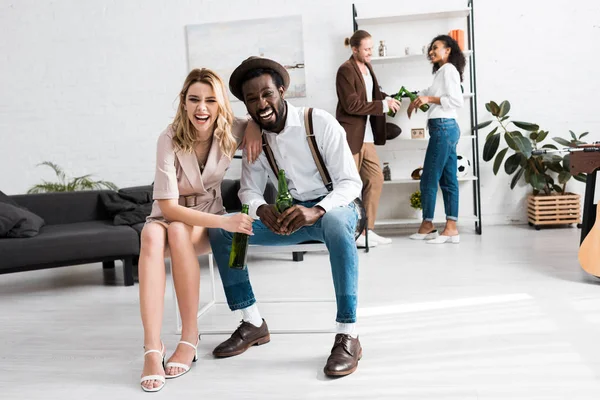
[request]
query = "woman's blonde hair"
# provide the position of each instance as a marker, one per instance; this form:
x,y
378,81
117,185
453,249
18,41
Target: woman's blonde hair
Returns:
x,y
185,133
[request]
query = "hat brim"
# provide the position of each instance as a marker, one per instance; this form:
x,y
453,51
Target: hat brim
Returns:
x,y
235,81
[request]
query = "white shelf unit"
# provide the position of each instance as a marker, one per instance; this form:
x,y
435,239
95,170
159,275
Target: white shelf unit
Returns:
x,y
387,25
410,57
390,19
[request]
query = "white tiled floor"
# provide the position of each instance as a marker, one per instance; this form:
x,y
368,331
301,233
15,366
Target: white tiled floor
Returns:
x,y
506,315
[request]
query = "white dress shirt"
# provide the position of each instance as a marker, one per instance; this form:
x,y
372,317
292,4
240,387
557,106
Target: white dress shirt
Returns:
x,y
292,154
446,86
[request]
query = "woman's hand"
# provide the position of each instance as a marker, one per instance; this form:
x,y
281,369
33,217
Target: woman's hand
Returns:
x,y
418,102
252,141
237,223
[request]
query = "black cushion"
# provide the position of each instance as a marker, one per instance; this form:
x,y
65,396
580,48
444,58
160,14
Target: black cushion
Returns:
x,y
17,222
70,242
6,199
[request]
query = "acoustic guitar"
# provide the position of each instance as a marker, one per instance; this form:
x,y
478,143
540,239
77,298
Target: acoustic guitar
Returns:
x,y
589,251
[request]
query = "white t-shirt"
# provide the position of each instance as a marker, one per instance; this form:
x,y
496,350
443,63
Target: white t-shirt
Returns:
x,y
369,138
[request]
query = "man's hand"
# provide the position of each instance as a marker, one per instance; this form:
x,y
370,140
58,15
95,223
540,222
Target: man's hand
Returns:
x,y
298,216
268,214
393,105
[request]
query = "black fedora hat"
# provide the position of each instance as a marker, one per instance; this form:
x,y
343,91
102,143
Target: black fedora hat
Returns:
x,y
250,63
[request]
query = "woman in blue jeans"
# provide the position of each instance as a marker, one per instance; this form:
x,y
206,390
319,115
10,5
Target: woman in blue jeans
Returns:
x,y
444,97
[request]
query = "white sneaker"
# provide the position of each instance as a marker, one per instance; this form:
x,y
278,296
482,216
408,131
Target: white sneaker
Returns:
x,y
379,239
362,243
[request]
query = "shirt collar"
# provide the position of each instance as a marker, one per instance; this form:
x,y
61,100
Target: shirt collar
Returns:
x,y
292,119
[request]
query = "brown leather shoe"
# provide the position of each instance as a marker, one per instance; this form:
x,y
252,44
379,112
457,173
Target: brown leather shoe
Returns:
x,y
344,356
245,335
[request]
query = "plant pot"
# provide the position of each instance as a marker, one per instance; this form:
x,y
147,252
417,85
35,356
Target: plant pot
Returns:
x,y
555,209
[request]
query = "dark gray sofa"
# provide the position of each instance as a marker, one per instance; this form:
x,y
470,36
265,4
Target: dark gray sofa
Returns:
x,y
77,231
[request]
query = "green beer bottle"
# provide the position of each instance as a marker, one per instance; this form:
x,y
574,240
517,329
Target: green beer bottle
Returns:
x,y
284,198
412,98
239,247
397,96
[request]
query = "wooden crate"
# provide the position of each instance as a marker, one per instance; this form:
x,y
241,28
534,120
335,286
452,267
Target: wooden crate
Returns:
x,y
555,209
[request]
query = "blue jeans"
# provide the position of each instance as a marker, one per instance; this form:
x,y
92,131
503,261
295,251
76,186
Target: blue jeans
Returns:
x,y
335,228
440,168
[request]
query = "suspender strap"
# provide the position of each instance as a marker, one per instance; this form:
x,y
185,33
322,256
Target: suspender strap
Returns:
x,y
269,155
314,149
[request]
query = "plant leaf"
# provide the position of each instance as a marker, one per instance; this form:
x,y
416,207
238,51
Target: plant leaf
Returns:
x,y
504,108
508,137
573,135
490,147
549,146
557,189
523,145
498,160
583,134
504,118
516,178
495,108
562,141
555,167
542,135
566,163
580,177
533,135
482,125
526,126
563,177
512,163
489,135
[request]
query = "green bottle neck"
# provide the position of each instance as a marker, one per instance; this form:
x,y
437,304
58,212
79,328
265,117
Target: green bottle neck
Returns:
x,y
245,208
282,186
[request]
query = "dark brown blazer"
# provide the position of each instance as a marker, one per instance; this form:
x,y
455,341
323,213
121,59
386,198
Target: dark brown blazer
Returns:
x,y
353,108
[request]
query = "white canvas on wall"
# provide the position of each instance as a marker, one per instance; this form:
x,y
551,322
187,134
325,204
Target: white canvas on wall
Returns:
x,y
223,46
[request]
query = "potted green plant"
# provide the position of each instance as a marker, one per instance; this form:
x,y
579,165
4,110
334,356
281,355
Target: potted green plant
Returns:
x,y
64,185
415,200
547,174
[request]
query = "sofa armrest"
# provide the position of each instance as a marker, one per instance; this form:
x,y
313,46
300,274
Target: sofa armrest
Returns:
x,y
65,207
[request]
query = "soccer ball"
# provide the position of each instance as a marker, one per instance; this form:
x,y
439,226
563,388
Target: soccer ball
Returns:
x,y
463,165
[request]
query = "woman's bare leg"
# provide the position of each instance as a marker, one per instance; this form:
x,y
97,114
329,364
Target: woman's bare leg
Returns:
x,y
152,292
185,242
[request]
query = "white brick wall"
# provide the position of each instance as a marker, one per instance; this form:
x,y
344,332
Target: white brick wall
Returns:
x,y
90,85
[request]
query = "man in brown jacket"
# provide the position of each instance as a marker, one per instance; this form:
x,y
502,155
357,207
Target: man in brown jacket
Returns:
x,y
361,111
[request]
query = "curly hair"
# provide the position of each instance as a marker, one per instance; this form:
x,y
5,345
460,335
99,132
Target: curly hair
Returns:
x,y
456,57
184,137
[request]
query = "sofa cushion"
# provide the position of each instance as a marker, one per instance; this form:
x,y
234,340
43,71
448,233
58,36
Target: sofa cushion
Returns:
x,y
6,199
70,242
17,222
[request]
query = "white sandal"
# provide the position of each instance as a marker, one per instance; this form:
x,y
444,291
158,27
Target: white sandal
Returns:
x,y
424,236
445,239
185,367
159,378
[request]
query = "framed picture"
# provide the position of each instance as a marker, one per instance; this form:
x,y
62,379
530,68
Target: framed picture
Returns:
x,y
222,46
417,133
